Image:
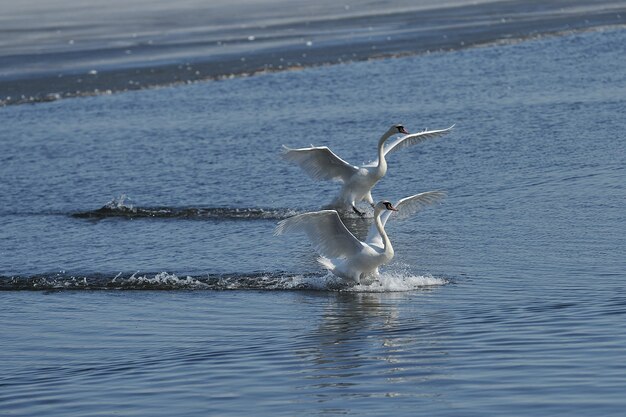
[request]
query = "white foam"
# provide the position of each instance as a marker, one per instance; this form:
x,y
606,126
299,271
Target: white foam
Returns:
x,y
398,281
390,281
164,279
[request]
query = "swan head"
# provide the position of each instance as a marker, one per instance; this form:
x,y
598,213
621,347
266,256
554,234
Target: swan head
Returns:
x,y
384,205
393,130
399,128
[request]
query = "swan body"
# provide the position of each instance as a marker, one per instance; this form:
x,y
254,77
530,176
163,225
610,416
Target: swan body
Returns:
x,y
406,207
341,252
320,163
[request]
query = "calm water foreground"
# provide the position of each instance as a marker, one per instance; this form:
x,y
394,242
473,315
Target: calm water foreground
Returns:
x,y
507,299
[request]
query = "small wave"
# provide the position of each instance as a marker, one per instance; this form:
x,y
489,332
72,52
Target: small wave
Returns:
x,y
119,207
388,282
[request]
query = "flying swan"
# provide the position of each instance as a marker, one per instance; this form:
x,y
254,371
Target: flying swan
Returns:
x,y
320,163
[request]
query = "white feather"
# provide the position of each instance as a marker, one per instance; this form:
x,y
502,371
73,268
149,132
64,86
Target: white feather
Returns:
x,y
325,230
320,163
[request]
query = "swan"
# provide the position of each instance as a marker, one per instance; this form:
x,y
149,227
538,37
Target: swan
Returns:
x,y
320,163
341,252
405,207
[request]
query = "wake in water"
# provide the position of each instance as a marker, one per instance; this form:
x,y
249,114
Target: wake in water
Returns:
x,y
388,282
119,207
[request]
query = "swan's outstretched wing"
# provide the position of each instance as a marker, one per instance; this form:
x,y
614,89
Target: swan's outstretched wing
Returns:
x,y
325,230
406,208
320,163
410,140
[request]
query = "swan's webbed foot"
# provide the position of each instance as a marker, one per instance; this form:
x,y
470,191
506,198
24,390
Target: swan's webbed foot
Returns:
x,y
357,211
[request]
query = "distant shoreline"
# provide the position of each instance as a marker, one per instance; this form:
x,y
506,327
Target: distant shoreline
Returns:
x,y
331,42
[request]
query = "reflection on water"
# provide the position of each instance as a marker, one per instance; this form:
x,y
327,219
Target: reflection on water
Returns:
x,y
362,342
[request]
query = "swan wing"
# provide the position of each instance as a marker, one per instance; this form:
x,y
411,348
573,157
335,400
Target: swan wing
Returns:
x,y
410,140
406,208
329,235
320,163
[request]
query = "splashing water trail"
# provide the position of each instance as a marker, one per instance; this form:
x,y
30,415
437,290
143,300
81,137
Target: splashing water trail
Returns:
x,y
277,281
118,207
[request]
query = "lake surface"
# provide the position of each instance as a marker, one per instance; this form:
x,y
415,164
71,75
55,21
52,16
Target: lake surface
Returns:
x,y
506,299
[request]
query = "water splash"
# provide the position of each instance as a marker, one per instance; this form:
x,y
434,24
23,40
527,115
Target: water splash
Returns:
x,y
119,203
388,282
161,280
399,282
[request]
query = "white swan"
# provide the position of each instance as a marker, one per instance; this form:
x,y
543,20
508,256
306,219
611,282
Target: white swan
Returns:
x,y
406,207
321,163
342,253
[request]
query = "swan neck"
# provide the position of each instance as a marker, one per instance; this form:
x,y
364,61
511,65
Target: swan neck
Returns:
x,y
382,163
381,229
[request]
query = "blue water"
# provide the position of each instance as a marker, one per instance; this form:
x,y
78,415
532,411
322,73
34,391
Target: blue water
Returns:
x,y
506,299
